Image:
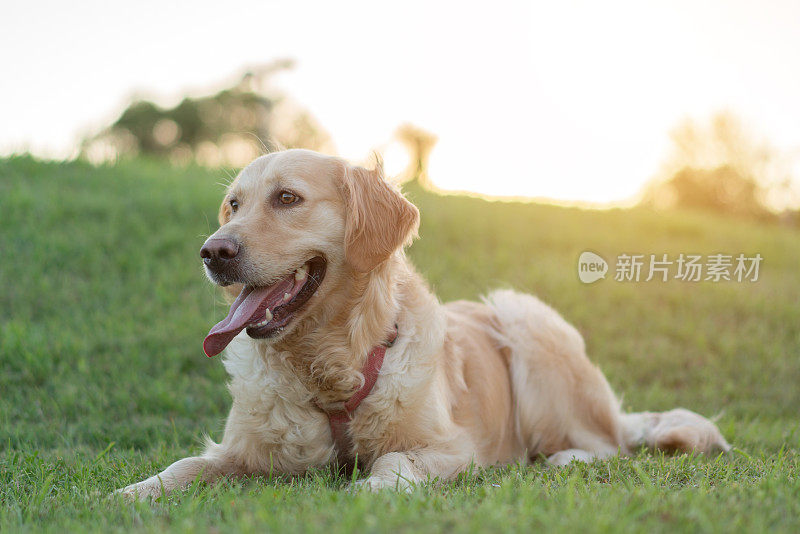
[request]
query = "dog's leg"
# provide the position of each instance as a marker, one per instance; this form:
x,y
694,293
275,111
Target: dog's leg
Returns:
x,y
176,476
402,470
676,430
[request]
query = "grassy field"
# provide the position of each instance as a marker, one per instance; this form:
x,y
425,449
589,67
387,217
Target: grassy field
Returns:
x,y
103,308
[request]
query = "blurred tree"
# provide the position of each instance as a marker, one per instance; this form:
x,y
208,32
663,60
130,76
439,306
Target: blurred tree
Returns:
x,y
419,144
722,189
230,127
720,167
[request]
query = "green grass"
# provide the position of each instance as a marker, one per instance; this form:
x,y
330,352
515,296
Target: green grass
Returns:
x,y
103,308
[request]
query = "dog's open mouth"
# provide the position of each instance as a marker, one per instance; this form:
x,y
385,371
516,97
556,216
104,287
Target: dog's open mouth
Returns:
x,y
265,311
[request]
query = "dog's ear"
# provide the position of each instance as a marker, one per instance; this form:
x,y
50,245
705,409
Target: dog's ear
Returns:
x,y
379,218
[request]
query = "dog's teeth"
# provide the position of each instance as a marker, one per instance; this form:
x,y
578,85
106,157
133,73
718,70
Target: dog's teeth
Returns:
x,y
300,273
267,318
286,296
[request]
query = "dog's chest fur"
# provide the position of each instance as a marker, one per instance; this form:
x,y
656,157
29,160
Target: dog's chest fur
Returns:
x,y
277,426
273,414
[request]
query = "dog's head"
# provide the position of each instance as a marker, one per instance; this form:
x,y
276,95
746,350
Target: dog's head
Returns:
x,y
294,224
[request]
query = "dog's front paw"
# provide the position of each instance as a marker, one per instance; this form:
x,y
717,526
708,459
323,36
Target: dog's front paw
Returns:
x,y
142,491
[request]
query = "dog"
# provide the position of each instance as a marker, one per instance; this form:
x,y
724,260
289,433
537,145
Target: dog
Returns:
x,y
327,310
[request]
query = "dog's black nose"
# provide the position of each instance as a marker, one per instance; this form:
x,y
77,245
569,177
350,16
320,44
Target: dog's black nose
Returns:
x,y
217,252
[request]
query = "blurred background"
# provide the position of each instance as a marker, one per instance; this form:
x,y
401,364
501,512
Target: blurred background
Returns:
x,y
685,103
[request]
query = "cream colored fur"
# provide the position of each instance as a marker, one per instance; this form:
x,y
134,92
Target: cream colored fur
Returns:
x,y
465,383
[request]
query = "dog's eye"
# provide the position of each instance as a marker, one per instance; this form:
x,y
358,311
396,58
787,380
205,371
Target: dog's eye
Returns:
x,y
234,205
287,197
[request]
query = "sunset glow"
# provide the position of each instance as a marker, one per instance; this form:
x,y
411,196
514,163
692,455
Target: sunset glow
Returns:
x,y
572,101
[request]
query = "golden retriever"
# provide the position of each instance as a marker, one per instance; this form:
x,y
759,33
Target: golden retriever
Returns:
x,y
310,252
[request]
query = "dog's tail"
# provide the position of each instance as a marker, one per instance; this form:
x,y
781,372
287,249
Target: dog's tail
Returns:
x,y
677,430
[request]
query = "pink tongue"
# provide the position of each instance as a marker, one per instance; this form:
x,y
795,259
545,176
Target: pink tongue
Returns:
x,y
248,304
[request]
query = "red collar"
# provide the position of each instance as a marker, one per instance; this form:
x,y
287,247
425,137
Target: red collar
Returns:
x,y
340,417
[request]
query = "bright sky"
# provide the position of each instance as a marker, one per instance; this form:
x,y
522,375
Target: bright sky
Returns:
x,y
565,100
